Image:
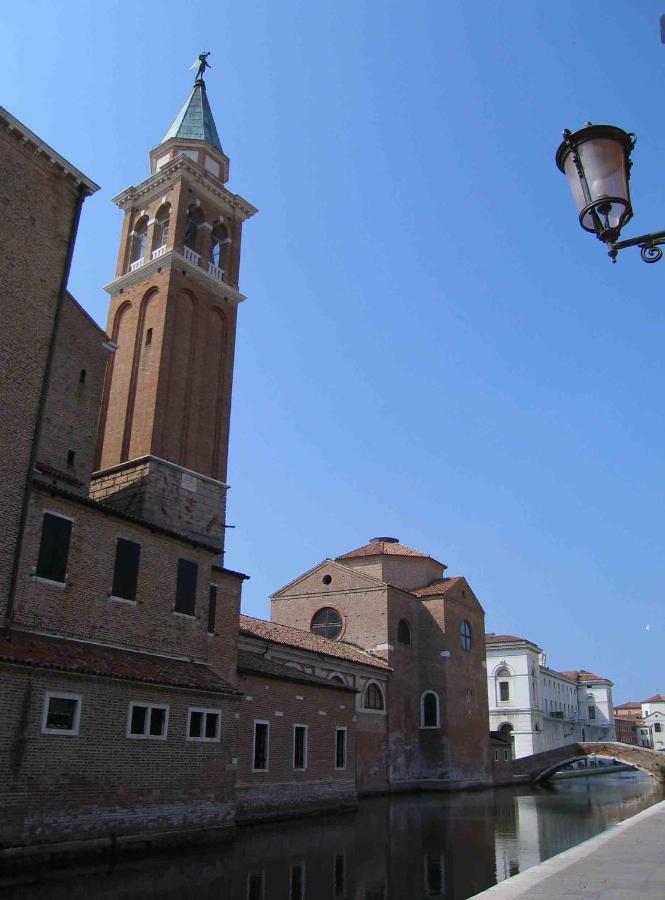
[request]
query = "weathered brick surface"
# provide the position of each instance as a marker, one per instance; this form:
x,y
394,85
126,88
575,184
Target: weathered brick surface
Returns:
x,y
84,609
37,207
285,704
100,782
166,494
71,415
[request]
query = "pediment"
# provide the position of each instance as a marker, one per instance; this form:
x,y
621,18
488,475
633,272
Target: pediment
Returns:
x,y
329,577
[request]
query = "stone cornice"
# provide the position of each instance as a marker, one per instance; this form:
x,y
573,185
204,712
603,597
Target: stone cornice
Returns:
x,y
210,186
168,260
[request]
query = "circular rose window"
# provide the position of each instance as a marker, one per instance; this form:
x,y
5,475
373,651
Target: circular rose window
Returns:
x,y
327,622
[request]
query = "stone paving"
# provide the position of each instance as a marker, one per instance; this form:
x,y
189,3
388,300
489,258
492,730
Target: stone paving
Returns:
x,y
623,863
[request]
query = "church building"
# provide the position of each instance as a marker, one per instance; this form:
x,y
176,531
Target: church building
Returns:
x,y
137,701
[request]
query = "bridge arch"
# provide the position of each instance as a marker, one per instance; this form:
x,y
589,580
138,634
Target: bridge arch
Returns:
x,y
541,766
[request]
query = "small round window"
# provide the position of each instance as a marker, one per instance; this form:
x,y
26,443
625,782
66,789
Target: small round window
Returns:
x,y
465,635
327,622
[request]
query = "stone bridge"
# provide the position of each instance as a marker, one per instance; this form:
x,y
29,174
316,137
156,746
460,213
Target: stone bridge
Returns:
x,y
542,766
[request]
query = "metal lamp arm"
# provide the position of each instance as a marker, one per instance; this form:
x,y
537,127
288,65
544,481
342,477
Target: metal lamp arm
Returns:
x,y
649,245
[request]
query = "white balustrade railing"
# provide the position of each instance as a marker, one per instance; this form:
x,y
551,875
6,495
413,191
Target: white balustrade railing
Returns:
x,y
191,256
215,271
160,251
136,265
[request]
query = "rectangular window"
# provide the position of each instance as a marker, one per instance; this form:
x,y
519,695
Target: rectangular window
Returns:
x,y
148,721
299,746
504,690
340,748
592,712
62,713
505,755
185,594
212,608
204,724
261,748
54,548
657,726
297,882
496,756
340,875
126,569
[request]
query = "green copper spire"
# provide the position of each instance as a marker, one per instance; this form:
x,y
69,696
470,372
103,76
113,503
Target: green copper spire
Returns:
x,y
194,122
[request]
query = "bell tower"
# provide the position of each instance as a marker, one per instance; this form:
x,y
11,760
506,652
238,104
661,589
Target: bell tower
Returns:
x,y
164,427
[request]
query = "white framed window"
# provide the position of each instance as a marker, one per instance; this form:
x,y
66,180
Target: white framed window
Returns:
x,y
148,720
204,724
496,756
340,748
300,747
373,698
261,746
61,714
429,710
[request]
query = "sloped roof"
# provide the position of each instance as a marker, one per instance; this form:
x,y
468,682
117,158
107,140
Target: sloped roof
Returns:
x,y
23,648
386,547
255,664
436,587
583,675
657,698
195,122
491,638
630,704
305,640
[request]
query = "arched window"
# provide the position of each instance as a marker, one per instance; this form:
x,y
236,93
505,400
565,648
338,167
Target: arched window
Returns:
x,y
327,622
162,221
139,238
192,224
429,710
465,635
506,732
219,247
337,679
502,676
404,632
373,697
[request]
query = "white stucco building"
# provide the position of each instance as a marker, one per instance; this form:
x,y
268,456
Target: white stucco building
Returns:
x,y
651,729
540,707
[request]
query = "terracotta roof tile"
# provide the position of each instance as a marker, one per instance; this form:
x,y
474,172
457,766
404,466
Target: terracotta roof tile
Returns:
x,y
305,640
657,698
385,547
24,648
631,704
255,664
582,675
436,587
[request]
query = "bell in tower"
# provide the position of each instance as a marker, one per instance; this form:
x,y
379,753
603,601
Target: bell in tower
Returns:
x,y
164,427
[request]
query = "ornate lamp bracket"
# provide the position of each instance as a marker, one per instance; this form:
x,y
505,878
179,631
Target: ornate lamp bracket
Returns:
x,y
649,245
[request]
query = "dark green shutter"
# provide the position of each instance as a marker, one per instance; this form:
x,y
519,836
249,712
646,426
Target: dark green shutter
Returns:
x,y
54,548
185,595
126,570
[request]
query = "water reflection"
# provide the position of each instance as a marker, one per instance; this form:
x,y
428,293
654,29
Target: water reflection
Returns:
x,y
410,846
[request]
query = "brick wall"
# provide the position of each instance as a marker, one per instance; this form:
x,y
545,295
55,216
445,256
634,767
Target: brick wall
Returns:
x,y
71,415
163,493
284,704
37,206
84,609
100,782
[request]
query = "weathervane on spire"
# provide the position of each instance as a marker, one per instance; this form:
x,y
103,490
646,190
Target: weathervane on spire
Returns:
x,y
201,64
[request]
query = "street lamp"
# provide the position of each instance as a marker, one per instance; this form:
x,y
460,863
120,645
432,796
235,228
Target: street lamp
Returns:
x,y
596,161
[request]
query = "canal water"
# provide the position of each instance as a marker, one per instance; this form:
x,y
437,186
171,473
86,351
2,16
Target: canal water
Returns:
x,y
404,847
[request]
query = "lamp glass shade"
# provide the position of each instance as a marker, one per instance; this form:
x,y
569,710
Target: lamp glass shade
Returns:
x,y
595,161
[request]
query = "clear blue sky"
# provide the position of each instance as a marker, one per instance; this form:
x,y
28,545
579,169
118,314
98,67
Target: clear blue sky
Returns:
x,y
432,348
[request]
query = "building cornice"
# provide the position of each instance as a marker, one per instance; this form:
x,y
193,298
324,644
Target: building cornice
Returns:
x,y
40,146
166,261
206,182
